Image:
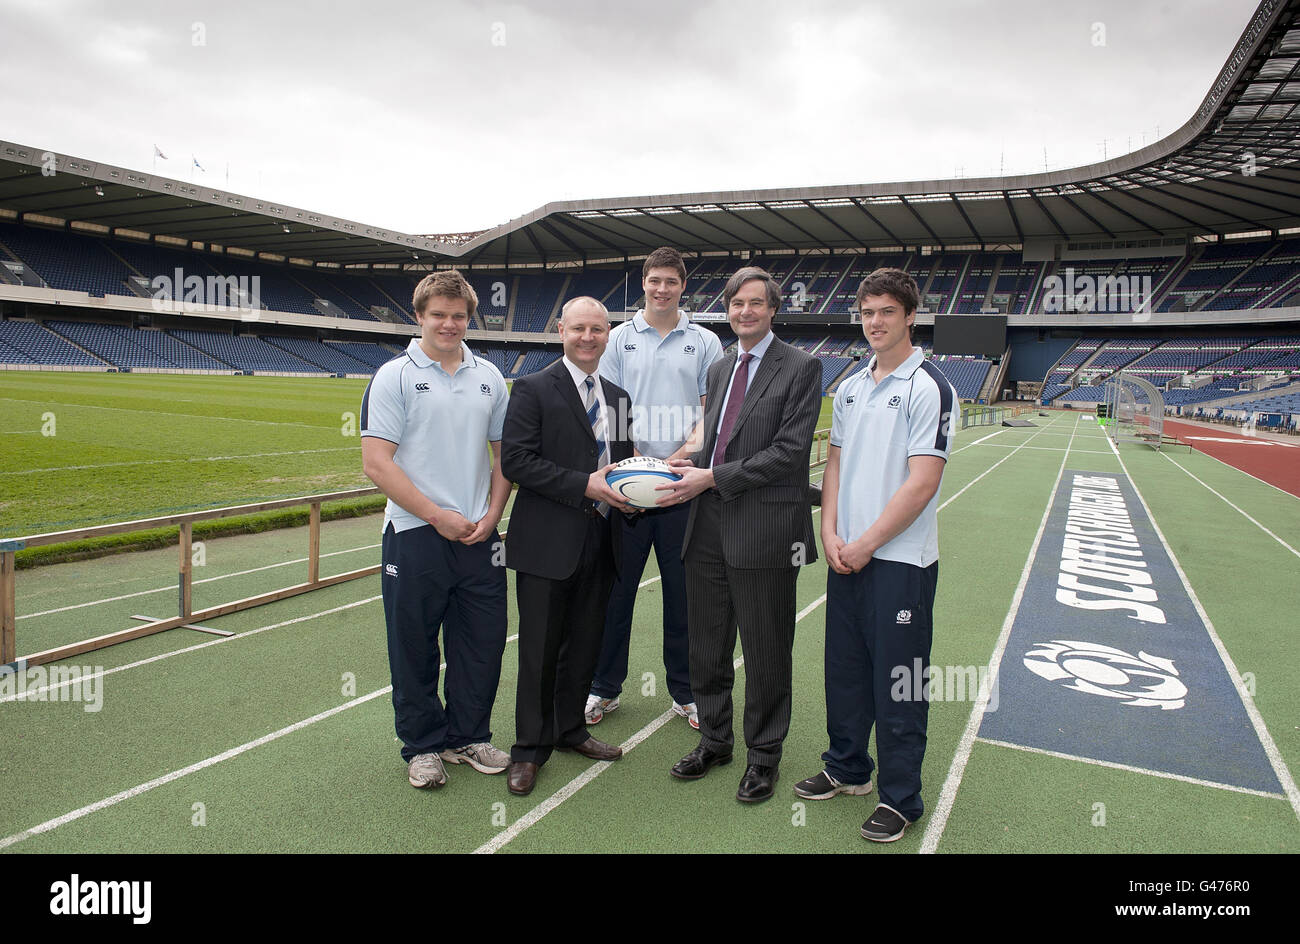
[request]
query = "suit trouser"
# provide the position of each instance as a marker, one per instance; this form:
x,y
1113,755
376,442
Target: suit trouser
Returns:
x,y
879,624
429,582
665,529
560,623
762,601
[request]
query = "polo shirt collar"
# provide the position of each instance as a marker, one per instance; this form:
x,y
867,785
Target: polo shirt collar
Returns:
x,y
421,359
903,371
640,324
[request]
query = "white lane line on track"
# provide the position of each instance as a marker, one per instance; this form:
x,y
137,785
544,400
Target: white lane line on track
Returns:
x,y
951,784
1137,770
535,815
994,466
1256,719
202,645
172,588
167,778
1235,507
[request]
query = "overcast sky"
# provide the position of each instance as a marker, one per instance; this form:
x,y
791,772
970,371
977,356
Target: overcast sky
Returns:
x,y
452,115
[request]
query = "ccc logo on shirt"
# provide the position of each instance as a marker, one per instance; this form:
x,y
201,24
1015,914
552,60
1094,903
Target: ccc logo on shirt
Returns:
x,y
629,347
421,388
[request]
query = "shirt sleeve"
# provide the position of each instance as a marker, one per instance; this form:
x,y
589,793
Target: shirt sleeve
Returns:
x,y
838,410
383,412
500,400
931,417
712,351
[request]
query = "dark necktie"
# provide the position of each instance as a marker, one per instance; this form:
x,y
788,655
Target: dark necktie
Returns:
x,y
739,385
596,417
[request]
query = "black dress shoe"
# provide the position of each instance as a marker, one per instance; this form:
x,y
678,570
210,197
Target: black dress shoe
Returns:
x,y
757,784
697,763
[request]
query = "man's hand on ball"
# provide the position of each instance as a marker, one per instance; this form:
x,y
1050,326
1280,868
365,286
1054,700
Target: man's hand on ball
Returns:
x,y
693,481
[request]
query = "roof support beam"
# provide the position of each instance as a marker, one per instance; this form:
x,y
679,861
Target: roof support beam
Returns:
x,y
875,222
924,224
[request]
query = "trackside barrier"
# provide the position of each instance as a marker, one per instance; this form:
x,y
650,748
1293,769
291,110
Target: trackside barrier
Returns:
x,y
186,615
820,447
989,415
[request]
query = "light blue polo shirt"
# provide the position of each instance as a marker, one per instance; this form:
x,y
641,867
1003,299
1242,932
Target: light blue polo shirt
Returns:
x,y
665,378
441,424
878,427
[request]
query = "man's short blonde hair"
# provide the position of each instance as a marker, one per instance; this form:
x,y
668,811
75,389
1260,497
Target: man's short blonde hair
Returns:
x,y
449,284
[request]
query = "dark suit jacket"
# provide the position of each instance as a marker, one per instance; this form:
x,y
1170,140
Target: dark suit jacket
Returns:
x,y
548,450
763,484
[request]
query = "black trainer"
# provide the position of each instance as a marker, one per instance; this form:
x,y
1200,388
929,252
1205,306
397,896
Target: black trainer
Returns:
x,y
885,825
824,786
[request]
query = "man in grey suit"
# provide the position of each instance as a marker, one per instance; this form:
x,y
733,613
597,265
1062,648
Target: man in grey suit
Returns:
x,y
749,532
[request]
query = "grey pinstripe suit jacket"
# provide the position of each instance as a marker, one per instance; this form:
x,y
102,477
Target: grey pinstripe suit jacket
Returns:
x,y
763,484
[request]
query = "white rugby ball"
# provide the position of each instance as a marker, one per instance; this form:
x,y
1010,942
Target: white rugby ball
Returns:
x,y
636,478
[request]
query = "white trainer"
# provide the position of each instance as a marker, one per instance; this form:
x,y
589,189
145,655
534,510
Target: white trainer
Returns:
x,y
426,770
689,712
482,756
598,707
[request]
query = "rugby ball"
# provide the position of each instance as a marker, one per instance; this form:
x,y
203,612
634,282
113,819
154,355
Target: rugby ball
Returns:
x,y
636,478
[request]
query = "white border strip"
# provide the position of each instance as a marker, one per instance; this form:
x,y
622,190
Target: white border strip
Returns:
x,y
1137,770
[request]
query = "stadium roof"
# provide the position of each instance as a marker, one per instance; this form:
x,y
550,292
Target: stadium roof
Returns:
x,y
1233,168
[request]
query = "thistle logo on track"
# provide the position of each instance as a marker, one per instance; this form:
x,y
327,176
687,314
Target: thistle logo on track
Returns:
x,y
1142,680
1108,657
904,618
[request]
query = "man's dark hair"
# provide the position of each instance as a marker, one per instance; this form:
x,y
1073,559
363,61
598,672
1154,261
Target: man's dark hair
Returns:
x,y
665,257
749,274
893,282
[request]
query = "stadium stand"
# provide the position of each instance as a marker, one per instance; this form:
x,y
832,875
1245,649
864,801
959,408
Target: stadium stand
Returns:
x,y
243,352
43,346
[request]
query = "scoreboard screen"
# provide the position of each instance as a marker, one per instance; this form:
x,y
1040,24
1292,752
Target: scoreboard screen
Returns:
x,y
985,335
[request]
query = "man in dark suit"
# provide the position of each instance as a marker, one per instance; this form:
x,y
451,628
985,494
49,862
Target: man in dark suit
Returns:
x,y
564,428
749,532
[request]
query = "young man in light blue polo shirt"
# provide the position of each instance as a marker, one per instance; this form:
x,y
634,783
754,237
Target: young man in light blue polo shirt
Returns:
x,y
891,435
427,420
662,359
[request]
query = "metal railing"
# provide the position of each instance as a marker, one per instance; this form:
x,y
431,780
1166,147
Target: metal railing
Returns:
x,y
186,614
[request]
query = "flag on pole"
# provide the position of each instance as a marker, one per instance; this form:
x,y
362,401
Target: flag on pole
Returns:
x,y
157,152
197,164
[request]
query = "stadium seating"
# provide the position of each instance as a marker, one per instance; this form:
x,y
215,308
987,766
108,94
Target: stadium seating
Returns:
x,y
243,352
43,346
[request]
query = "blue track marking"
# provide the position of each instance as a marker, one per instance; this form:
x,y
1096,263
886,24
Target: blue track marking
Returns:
x,y
1108,658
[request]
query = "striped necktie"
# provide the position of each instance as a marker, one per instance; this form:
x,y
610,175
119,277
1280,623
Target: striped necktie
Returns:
x,y
596,417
